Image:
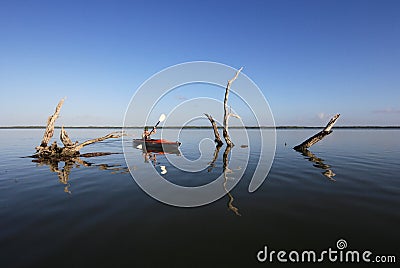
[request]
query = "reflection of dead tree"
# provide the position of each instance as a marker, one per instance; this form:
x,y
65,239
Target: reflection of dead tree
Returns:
x,y
227,170
225,160
71,162
212,163
70,149
215,128
227,113
114,168
319,136
319,163
63,174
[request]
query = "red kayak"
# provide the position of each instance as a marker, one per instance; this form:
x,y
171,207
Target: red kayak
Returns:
x,y
157,145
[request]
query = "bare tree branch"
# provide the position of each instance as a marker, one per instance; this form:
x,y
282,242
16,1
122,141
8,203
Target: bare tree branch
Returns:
x,y
234,115
48,134
65,139
109,136
331,122
226,113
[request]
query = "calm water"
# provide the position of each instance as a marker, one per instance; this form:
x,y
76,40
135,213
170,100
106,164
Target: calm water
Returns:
x,y
95,214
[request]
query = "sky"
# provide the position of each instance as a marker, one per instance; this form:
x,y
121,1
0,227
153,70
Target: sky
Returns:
x,y
310,59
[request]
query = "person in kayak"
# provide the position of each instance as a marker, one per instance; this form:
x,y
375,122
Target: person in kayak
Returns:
x,y
146,134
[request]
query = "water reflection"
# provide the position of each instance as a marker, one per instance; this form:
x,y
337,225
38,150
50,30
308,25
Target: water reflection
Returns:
x,y
211,165
150,157
71,162
226,170
319,163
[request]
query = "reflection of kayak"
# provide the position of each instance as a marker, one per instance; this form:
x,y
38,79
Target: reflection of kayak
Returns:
x,y
157,145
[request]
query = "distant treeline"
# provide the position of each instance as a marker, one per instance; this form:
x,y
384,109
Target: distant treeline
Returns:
x,y
204,127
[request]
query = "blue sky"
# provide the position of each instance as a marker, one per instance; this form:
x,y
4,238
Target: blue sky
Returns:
x,y
311,59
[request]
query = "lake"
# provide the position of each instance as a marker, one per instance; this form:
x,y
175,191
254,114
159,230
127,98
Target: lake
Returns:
x,y
93,213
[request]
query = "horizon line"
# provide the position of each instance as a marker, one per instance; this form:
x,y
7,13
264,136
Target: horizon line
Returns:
x,y
201,127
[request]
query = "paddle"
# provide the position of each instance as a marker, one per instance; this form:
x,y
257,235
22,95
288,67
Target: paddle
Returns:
x,y
162,118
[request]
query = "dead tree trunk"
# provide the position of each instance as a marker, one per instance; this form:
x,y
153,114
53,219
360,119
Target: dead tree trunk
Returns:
x,y
227,113
70,149
48,134
319,136
217,139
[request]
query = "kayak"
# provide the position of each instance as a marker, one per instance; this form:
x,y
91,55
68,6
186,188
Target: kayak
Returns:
x,y
157,145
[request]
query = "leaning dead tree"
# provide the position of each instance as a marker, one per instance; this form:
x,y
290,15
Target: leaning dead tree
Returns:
x,y
227,113
319,136
70,149
217,139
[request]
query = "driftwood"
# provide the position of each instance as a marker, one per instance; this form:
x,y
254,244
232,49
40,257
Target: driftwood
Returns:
x,y
217,139
70,149
50,125
319,136
227,113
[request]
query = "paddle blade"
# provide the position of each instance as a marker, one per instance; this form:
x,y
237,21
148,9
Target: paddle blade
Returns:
x,y
162,118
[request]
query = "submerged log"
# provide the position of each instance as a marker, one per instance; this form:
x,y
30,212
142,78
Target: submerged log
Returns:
x,y
70,148
217,139
227,113
319,136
